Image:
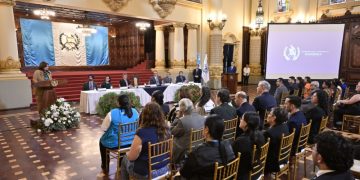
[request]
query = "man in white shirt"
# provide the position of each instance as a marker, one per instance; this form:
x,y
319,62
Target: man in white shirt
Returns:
x,y
246,74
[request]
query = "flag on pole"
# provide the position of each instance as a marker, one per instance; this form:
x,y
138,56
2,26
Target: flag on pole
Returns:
x,y
205,70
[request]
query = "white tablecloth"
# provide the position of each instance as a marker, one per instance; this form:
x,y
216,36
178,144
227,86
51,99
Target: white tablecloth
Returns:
x,y
170,91
89,99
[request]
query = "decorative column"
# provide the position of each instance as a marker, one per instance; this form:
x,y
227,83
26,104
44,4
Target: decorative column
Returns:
x,y
178,46
15,87
171,45
9,59
216,24
254,58
192,46
160,48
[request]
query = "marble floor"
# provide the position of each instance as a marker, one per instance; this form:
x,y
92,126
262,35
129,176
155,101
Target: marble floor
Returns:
x,y
72,154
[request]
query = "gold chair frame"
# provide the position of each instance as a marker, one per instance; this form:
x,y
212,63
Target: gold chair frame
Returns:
x,y
349,120
301,145
120,152
284,95
196,137
157,150
259,166
227,172
230,129
284,154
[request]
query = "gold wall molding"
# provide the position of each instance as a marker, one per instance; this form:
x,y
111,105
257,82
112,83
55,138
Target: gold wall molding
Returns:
x,y
115,5
7,2
177,63
9,64
163,7
215,71
160,63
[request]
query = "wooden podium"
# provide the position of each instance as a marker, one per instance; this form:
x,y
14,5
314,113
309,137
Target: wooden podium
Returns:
x,y
229,81
47,92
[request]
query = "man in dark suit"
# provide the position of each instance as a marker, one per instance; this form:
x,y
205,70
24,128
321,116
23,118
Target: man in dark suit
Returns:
x,y
264,102
296,119
223,109
167,78
197,74
292,85
124,82
334,156
155,79
180,78
241,100
90,85
232,68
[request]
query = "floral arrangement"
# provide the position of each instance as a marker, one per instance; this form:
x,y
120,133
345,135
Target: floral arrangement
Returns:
x,y
109,101
193,90
59,116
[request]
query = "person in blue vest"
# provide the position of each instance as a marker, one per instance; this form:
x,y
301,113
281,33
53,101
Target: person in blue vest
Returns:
x,y
121,115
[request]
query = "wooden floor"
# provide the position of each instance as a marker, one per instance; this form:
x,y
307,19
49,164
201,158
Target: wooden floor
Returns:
x,y
73,154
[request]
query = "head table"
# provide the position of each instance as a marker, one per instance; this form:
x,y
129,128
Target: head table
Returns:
x,y
89,99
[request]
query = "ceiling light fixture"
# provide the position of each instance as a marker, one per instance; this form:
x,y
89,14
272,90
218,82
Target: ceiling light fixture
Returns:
x,y
44,13
142,25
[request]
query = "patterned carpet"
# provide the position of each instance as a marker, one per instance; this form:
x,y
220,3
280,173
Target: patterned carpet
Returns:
x,y
73,154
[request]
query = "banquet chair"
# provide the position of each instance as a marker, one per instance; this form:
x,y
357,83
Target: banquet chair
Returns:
x,y
258,163
284,154
284,95
296,92
125,131
349,122
229,171
160,152
230,129
196,138
323,123
301,145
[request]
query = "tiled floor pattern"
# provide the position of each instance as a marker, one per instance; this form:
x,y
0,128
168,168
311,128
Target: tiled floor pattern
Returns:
x,y
72,154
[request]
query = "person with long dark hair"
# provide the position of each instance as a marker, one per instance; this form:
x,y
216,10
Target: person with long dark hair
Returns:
x,y
201,161
158,97
249,123
276,119
320,101
121,115
152,129
205,104
41,74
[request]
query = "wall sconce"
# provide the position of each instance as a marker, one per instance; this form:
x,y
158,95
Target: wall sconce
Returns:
x,y
215,23
259,20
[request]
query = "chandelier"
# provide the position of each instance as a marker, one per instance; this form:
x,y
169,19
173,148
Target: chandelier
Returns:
x,y
44,13
142,25
85,30
259,20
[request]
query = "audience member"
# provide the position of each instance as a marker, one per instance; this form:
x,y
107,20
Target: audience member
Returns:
x,y
181,129
276,119
334,156
249,123
155,79
205,104
223,109
153,129
281,88
232,68
158,97
336,90
167,78
246,74
292,85
296,118
326,87
200,164
180,78
343,86
307,87
107,83
124,82
320,101
197,74
306,102
301,84
90,85
264,101
347,106
241,100
122,115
